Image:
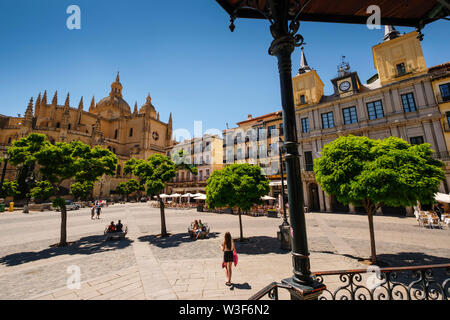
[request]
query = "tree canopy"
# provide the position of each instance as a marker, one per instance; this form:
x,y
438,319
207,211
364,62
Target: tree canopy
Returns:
x,y
237,185
387,172
375,173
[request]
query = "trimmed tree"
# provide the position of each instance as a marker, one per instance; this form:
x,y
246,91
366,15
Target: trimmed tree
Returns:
x,y
154,173
237,185
128,187
9,189
374,173
42,191
22,155
82,190
73,161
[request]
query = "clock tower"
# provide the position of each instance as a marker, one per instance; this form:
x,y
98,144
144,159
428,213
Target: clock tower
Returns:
x,y
346,83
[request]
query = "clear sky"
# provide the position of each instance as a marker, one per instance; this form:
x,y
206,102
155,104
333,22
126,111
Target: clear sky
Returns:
x,y
181,52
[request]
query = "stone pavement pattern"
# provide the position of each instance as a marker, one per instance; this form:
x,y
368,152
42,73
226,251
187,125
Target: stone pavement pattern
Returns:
x,y
148,267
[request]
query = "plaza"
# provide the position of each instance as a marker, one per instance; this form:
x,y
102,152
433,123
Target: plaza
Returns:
x,y
145,266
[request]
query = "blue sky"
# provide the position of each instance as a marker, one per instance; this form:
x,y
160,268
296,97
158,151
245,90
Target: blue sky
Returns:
x,y
182,52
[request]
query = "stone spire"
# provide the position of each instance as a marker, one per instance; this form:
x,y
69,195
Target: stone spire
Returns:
x,y
29,111
67,103
303,64
390,33
169,128
80,110
37,105
92,106
55,99
135,112
44,99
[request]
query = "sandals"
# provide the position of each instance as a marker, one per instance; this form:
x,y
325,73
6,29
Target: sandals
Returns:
x,y
228,283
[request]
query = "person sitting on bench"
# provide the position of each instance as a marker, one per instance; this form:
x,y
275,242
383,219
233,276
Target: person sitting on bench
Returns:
x,y
112,227
119,227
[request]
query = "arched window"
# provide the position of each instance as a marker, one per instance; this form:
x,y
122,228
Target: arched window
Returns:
x,y
119,169
115,134
131,132
9,140
114,150
68,127
58,125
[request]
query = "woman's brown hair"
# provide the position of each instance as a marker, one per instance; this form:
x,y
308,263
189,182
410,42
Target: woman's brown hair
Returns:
x,y
228,240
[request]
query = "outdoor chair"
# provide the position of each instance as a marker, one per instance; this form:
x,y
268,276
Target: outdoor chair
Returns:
x,y
424,222
435,222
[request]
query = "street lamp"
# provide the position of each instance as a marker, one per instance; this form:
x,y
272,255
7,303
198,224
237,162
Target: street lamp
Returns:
x,y
285,228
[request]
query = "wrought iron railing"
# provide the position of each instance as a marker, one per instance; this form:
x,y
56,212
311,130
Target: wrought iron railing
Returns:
x,y
429,282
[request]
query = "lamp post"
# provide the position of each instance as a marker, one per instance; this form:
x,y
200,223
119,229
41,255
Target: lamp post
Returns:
x,y
283,203
282,47
285,229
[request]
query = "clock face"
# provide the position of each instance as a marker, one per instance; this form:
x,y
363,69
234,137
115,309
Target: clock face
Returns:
x,y
344,86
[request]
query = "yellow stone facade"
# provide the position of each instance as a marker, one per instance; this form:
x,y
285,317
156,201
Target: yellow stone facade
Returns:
x,y
399,58
109,123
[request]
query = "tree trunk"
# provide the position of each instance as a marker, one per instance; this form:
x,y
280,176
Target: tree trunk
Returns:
x,y
163,218
370,208
240,225
63,240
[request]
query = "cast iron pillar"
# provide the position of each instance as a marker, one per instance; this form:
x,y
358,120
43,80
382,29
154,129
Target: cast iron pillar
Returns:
x,y
285,41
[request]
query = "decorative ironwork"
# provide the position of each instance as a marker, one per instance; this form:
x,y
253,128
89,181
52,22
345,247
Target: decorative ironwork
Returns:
x,y
429,282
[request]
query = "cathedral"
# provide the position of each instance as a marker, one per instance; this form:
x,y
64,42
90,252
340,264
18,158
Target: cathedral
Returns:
x,y
109,123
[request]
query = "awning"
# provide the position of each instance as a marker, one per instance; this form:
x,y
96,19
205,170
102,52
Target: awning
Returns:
x,y
442,197
274,183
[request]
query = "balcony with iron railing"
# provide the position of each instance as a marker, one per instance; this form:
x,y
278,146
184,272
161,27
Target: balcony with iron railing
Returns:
x,y
426,282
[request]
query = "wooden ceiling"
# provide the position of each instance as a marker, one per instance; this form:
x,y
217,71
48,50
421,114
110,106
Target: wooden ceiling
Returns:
x,y
393,12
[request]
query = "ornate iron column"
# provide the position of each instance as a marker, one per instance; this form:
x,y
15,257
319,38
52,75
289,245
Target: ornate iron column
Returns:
x,y
282,47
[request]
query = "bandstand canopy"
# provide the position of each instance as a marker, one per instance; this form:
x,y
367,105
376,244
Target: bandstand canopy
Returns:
x,y
412,13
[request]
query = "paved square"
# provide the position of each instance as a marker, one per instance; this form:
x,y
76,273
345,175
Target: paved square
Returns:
x,y
147,267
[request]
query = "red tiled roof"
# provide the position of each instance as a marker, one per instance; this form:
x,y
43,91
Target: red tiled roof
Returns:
x,y
259,118
440,66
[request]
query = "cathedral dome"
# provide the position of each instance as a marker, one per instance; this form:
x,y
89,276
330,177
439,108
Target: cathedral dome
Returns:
x,y
148,107
114,104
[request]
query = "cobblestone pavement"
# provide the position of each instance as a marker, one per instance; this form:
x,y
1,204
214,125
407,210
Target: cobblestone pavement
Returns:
x,y
148,267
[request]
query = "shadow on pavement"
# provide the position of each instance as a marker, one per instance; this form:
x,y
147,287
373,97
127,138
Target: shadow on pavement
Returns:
x,y
240,286
174,240
406,259
86,245
260,245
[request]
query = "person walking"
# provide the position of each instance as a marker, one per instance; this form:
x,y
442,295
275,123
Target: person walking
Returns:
x,y
99,208
92,211
228,249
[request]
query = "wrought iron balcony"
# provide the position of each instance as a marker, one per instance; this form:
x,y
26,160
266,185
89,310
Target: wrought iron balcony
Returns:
x,y
429,282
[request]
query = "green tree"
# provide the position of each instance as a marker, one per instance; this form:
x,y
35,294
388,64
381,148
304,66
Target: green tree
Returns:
x,y
9,189
22,155
128,187
42,191
237,185
374,173
82,189
74,161
154,173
